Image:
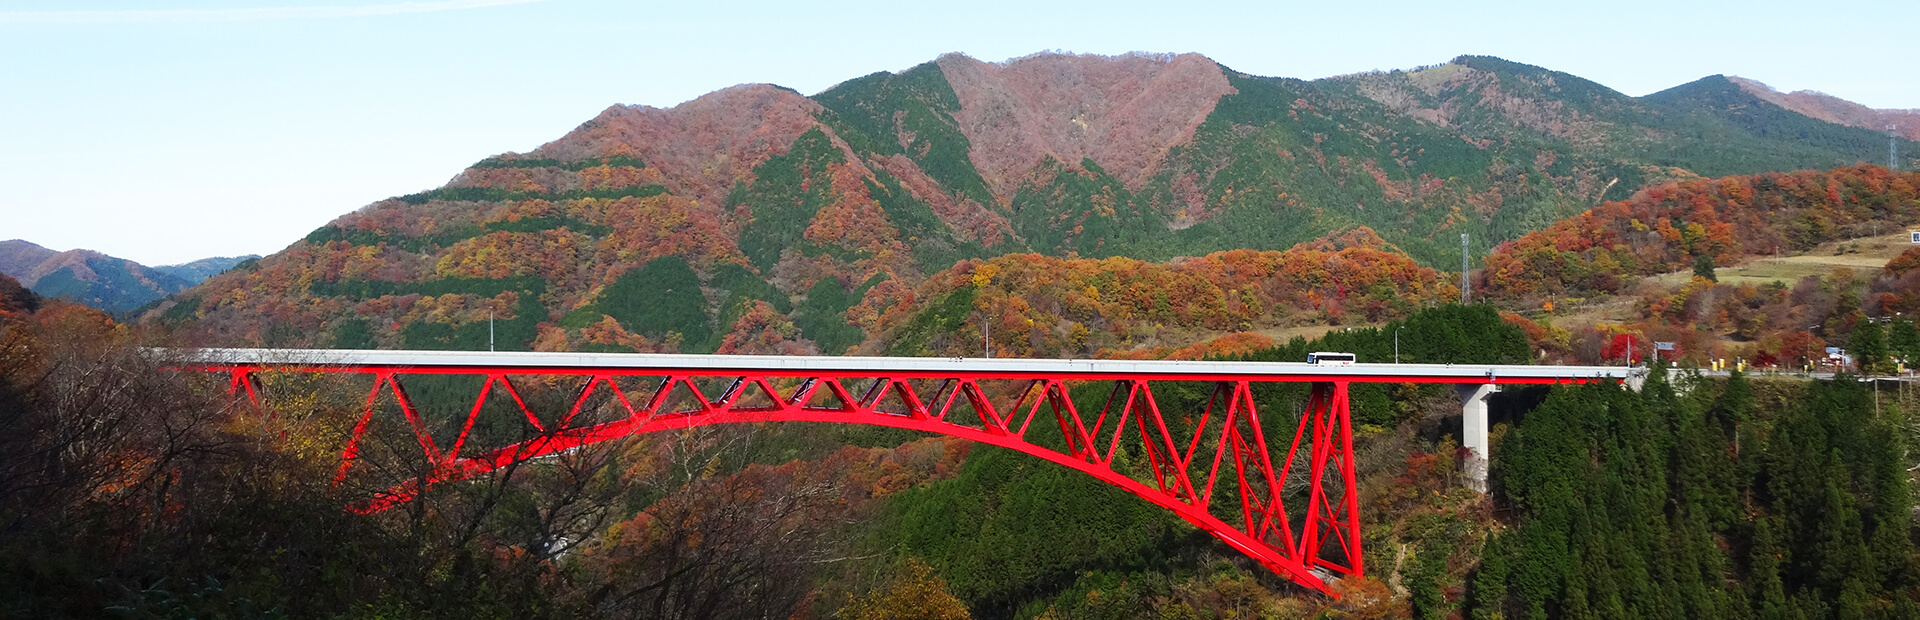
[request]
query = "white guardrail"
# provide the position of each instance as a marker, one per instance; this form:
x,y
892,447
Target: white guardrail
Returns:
x,y
800,365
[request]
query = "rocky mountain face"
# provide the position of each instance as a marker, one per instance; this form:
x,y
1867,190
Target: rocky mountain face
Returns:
x,y
1124,113
809,218
98,280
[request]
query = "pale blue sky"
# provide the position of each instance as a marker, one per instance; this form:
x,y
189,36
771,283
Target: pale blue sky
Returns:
x,y
168,130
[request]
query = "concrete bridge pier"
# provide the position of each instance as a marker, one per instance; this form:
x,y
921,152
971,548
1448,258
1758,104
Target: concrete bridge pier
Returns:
x,y
1473,431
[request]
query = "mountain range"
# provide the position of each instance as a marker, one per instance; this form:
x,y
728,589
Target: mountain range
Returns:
x,y
807,213
102,281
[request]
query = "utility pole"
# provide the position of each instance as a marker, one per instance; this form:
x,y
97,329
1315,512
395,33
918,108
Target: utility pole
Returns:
x,y
986,335
1463,269
489,330
1396,343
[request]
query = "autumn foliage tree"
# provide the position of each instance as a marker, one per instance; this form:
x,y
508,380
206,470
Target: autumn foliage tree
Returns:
x,y
914,594
1626,347
123,486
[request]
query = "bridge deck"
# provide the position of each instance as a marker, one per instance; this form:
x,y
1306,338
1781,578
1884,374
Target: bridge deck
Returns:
x,y
643,363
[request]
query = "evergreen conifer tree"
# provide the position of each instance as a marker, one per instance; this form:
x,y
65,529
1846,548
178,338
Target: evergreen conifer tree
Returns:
x,y
1839,553
1490,583
1709,456
1626,505
1703,267
1903,341
1767,592
1423,584
1735,404
1869,348
1891,542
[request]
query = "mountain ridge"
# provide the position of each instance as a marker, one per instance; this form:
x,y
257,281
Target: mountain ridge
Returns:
x,y
819,206
96,279
1822,106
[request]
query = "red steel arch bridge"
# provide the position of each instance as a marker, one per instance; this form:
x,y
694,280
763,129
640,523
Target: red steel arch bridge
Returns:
x,y
1218,467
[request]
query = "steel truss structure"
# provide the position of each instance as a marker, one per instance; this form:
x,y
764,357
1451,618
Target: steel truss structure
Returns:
x,y
1217,467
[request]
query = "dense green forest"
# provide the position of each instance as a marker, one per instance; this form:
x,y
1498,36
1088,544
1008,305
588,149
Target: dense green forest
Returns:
x,y
1725,503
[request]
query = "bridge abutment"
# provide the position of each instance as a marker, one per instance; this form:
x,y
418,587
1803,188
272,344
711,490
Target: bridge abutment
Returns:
x,y
1473,432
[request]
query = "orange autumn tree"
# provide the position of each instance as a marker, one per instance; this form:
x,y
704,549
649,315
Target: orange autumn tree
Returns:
x,y
762,330
914,595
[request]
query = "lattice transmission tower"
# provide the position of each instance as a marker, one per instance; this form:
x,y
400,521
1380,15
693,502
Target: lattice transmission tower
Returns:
x,y
1893,148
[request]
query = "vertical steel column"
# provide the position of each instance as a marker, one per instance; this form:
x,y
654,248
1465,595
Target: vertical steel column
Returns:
x,y
1355,563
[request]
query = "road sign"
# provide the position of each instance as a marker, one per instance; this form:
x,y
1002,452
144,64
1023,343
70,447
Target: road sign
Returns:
x,y
1662,346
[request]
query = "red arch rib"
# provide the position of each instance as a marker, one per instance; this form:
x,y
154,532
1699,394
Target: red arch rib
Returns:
x,y
1267,534
1323,541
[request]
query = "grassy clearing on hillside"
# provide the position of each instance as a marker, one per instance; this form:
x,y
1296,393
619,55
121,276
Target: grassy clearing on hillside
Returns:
x,y
1589,314
1865,254
1310,332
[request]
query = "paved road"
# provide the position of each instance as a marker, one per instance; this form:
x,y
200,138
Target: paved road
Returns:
x,y
1818,375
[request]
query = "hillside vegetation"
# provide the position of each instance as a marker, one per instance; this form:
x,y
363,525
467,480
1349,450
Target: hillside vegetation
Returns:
x,y
1770,269
836,222
1722,221
1037,306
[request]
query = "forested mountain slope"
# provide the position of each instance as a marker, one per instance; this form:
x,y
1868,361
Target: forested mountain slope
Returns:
x,y
101,281
1815,104
86,276
791,212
